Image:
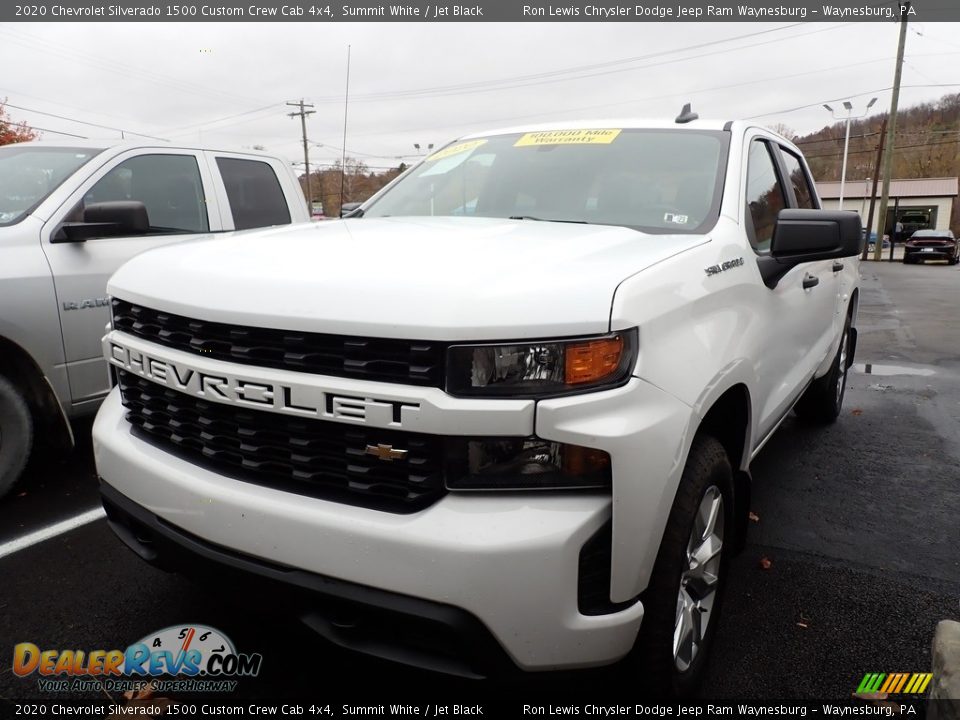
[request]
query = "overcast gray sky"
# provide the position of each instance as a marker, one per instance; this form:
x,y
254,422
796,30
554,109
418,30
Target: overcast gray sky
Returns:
x,y
225,84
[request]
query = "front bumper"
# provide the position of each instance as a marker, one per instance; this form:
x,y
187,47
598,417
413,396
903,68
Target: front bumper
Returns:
x,y
510,561
395,627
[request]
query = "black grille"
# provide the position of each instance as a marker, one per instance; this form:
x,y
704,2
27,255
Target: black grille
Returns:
x,y
410,362
317,458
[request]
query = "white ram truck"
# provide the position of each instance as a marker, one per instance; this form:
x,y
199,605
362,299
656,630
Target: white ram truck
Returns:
x,y
70,215
502,415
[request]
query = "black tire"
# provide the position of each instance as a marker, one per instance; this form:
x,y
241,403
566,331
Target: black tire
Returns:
x,y
823,400
16,435
653,664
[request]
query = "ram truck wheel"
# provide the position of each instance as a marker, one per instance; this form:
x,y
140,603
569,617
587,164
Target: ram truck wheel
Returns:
x,y
16,435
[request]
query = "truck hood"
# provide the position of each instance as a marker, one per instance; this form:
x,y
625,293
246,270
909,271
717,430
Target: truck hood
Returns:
x,y
425,278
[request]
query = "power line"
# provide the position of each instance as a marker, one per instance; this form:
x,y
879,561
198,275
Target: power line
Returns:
x,y
554,76
847,97
898,148
194,126
63,106
57,132
902,133
81,122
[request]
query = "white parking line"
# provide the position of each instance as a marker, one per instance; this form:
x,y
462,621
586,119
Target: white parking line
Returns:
x,y
38,536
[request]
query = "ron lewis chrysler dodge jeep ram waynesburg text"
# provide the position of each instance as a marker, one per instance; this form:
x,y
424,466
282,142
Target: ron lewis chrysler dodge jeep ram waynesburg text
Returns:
x,y
503,414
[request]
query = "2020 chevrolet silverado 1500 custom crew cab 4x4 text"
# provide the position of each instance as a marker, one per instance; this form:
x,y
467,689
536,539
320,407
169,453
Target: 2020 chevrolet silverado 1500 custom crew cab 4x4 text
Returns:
x,y
70,215
504,413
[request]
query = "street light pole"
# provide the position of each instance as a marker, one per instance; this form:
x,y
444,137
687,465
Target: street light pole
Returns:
x,y
846,140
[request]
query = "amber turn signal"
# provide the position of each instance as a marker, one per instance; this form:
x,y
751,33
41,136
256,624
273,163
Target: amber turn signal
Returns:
x,y
593,360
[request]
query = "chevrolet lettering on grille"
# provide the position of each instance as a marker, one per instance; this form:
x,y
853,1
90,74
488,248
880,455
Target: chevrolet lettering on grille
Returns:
x,y
290,399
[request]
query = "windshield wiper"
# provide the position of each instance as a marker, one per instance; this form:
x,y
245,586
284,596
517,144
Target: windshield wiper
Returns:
x,y
539,219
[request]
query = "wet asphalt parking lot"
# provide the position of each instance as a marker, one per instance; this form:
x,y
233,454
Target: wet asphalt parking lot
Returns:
x,y
852,561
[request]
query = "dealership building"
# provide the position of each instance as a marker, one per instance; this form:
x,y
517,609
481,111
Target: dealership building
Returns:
x,y
919,204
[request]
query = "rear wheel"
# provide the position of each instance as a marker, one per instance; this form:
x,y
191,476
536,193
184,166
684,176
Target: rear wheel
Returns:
x,y
682,602
16,434
822,401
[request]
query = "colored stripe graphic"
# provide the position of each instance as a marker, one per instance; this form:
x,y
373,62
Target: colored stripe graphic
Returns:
x,y
903,680
918,683
894,683
870,682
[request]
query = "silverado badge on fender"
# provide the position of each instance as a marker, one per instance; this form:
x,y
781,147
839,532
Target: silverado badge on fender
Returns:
x,y
715,269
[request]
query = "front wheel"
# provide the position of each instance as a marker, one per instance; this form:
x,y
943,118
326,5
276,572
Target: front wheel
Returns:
x,y
16,435
682,602
822,401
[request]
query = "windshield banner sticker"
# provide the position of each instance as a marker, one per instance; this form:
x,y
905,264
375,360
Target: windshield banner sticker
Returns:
x,y
456,149
568,137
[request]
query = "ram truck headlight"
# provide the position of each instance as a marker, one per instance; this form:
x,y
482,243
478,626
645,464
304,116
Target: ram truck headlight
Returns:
x,y
525,464
541,368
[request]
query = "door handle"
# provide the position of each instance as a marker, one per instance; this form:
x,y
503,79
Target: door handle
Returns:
x,y
810,281
837,266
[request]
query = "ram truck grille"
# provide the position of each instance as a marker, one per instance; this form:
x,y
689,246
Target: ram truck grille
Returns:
x,y
409,362
316,458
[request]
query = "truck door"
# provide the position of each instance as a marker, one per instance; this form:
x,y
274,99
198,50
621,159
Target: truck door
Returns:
x,y
832,275
799,310
173,186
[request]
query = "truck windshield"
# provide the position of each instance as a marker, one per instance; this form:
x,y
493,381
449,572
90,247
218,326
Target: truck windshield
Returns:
x,y
657,181
29,174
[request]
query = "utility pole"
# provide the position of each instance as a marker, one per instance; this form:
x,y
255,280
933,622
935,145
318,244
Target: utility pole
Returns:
x,y
891,129
306,155
873,191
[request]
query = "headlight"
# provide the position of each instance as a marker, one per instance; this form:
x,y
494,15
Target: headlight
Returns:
x,y
524,464
542,368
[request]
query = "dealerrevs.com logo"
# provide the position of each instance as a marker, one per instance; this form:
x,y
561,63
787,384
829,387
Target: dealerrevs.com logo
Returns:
x,y
200,658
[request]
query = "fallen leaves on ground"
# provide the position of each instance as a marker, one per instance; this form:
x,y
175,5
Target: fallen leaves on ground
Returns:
x,y
766,563
856,411
754,517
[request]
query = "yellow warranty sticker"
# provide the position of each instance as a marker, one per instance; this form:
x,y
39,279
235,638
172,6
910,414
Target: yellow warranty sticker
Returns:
x,y
568,137
456,149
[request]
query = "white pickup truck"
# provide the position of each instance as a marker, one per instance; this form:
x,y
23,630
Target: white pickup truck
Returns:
x,y
70,215
502,415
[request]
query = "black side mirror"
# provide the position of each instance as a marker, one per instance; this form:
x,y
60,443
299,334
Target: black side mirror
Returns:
x,y
106,219
347,209
806,235
802,236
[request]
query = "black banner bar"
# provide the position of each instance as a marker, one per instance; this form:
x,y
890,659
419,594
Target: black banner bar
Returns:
x,y
323,706
320,11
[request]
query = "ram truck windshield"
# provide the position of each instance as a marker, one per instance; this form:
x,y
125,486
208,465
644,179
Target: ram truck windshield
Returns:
x,y
29,174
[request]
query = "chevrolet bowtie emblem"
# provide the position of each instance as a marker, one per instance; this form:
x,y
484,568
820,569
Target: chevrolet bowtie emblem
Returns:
x,y
386,452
